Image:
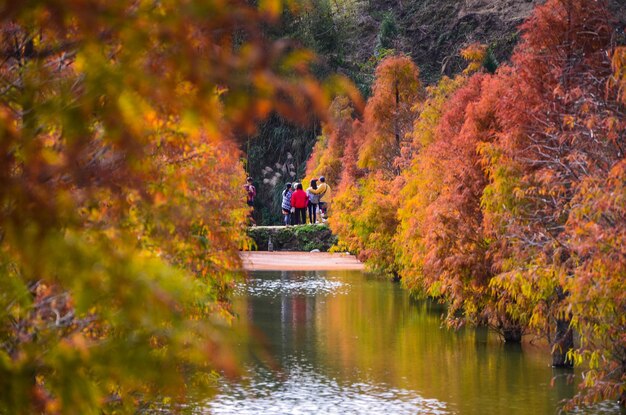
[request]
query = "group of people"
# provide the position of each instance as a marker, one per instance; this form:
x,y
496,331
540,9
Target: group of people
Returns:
x,y
296,202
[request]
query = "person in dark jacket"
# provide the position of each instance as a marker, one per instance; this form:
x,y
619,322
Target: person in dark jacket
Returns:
x,y
250,191
250,195
299,201
286,205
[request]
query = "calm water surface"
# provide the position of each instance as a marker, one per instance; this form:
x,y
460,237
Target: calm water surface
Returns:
x,y
348,343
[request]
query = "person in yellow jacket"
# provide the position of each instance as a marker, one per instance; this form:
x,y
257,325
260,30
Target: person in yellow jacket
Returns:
x,y
323,189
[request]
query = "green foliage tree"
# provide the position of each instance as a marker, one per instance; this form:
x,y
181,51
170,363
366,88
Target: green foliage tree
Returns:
x,y
387,33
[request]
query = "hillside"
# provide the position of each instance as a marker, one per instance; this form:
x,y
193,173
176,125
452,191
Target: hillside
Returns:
x,y
433,32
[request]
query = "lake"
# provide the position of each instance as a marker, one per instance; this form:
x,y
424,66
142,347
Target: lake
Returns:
x,y
345,342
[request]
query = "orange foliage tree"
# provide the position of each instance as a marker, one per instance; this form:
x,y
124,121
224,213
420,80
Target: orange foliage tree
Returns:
x,y
388,114
618,80
121,207
422,184
596,291
456,264
326,158
365,209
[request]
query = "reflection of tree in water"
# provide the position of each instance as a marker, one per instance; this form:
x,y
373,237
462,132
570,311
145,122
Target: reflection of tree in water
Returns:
x,y
283,310
297,317
371,341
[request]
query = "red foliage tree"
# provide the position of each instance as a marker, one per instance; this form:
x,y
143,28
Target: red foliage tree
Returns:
x,y
556,131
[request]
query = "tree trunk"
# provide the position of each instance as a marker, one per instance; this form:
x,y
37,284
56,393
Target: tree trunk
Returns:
x,y
563,342
512,334
396,126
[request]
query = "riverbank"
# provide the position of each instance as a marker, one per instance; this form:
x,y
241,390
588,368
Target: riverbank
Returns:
x,y
299,261
303,238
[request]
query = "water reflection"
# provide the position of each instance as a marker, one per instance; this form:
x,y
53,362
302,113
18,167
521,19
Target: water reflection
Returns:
x,y
290,284
343,342
306,391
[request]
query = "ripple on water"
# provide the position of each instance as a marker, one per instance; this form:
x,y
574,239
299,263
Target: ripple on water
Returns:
x,y
307,285
306,392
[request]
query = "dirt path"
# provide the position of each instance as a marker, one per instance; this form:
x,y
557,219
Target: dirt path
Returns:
x,y
299,261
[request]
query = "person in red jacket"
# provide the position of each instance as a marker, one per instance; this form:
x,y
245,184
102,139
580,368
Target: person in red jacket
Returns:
x,y
299,201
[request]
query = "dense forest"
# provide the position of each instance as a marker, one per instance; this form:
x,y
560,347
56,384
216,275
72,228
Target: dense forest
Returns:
x,y
478,161
500,191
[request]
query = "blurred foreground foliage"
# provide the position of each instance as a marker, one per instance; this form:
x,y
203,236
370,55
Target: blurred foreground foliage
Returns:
x,y
121,200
